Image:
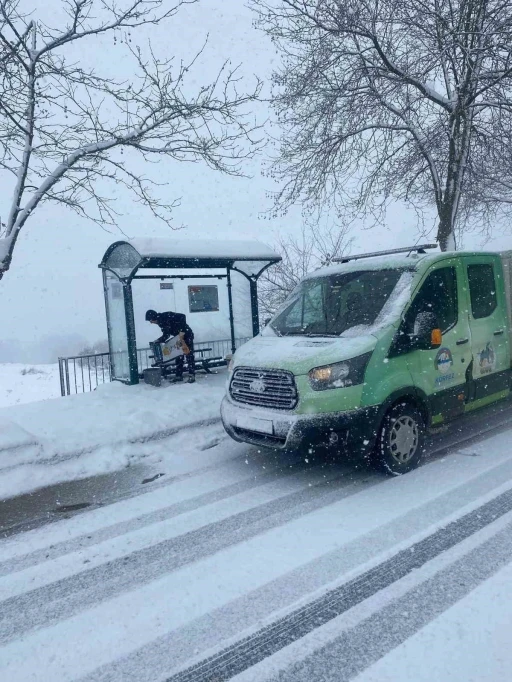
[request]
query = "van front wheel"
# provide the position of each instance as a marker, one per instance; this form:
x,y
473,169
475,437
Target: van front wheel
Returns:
x,y
400,442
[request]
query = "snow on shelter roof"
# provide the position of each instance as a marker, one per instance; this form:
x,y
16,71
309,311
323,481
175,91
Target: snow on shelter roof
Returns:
x,y
125,257
166,247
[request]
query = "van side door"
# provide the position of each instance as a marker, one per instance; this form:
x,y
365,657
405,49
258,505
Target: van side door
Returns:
x,y
441,373
488,319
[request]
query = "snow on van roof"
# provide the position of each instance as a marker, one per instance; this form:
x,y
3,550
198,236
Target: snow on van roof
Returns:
x,y
384,262
400,261
162,247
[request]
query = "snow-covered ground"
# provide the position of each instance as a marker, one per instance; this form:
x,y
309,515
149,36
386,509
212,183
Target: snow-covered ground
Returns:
x,y
66,438
370,578
21,383
246,565
468,641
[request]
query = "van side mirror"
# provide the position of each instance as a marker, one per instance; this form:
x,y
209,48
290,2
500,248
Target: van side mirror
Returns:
x,y
267,322
426,334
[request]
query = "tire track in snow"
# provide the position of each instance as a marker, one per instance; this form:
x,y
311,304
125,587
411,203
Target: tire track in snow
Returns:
x,y
60,600
47,519
304,620
377,635
140,521
225,623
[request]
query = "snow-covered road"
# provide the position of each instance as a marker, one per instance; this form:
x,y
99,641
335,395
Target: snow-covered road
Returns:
x,y
255,566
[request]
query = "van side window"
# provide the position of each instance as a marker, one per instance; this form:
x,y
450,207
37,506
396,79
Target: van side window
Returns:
x,y
438,295
482,290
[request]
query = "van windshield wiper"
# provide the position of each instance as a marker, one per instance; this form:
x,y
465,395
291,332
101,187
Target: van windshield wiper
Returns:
x,y
310,335
320,335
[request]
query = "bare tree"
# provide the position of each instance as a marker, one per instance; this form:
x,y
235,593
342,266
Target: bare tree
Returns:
x,y
314,247
64,126
95,348
389,99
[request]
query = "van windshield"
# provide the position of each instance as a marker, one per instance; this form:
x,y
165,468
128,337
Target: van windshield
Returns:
x,y
329,306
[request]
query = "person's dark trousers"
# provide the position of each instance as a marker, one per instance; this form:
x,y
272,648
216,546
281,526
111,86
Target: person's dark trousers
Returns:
x,y
191,362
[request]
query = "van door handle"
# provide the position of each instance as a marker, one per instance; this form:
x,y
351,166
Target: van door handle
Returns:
x,y
498,332
461,342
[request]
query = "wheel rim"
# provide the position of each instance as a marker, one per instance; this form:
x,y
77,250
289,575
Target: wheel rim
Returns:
x,y
403,439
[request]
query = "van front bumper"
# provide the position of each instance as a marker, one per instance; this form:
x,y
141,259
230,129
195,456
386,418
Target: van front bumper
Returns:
x,y
353,431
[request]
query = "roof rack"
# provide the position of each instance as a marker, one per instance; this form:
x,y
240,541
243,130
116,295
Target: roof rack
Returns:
x,y
419,248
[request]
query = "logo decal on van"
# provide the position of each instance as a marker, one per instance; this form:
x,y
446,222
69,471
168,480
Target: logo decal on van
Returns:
x,y
444,360
487,359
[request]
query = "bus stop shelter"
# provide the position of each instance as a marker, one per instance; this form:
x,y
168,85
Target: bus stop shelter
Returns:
x,y
124,260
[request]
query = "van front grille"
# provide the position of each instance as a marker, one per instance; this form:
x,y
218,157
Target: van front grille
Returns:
x,y
272,388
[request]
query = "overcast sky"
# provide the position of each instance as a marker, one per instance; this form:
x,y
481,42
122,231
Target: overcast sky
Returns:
x,y
54,287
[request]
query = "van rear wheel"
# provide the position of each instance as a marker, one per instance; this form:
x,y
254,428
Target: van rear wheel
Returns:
x,y
401,438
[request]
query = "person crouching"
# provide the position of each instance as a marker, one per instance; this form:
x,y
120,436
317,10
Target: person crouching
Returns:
x,y
171,324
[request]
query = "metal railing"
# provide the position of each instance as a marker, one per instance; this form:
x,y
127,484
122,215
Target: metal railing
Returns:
x,y
84,373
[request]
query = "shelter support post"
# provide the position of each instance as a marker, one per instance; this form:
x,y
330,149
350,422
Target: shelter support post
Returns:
x,y
231,318
107,314
254,306
130,330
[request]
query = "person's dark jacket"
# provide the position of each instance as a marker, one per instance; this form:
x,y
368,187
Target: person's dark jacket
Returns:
x,y
171,324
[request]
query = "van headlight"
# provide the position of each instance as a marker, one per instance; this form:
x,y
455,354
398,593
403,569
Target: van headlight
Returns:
x,y
340,374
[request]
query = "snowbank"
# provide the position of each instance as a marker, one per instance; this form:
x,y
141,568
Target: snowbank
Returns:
x,y
55,432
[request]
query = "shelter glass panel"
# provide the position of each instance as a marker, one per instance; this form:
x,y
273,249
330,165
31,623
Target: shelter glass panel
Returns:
x,y
123,259
250,267
118,333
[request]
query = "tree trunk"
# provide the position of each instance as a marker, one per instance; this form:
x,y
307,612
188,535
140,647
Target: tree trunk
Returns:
x,y
446,237
446,229
6,249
